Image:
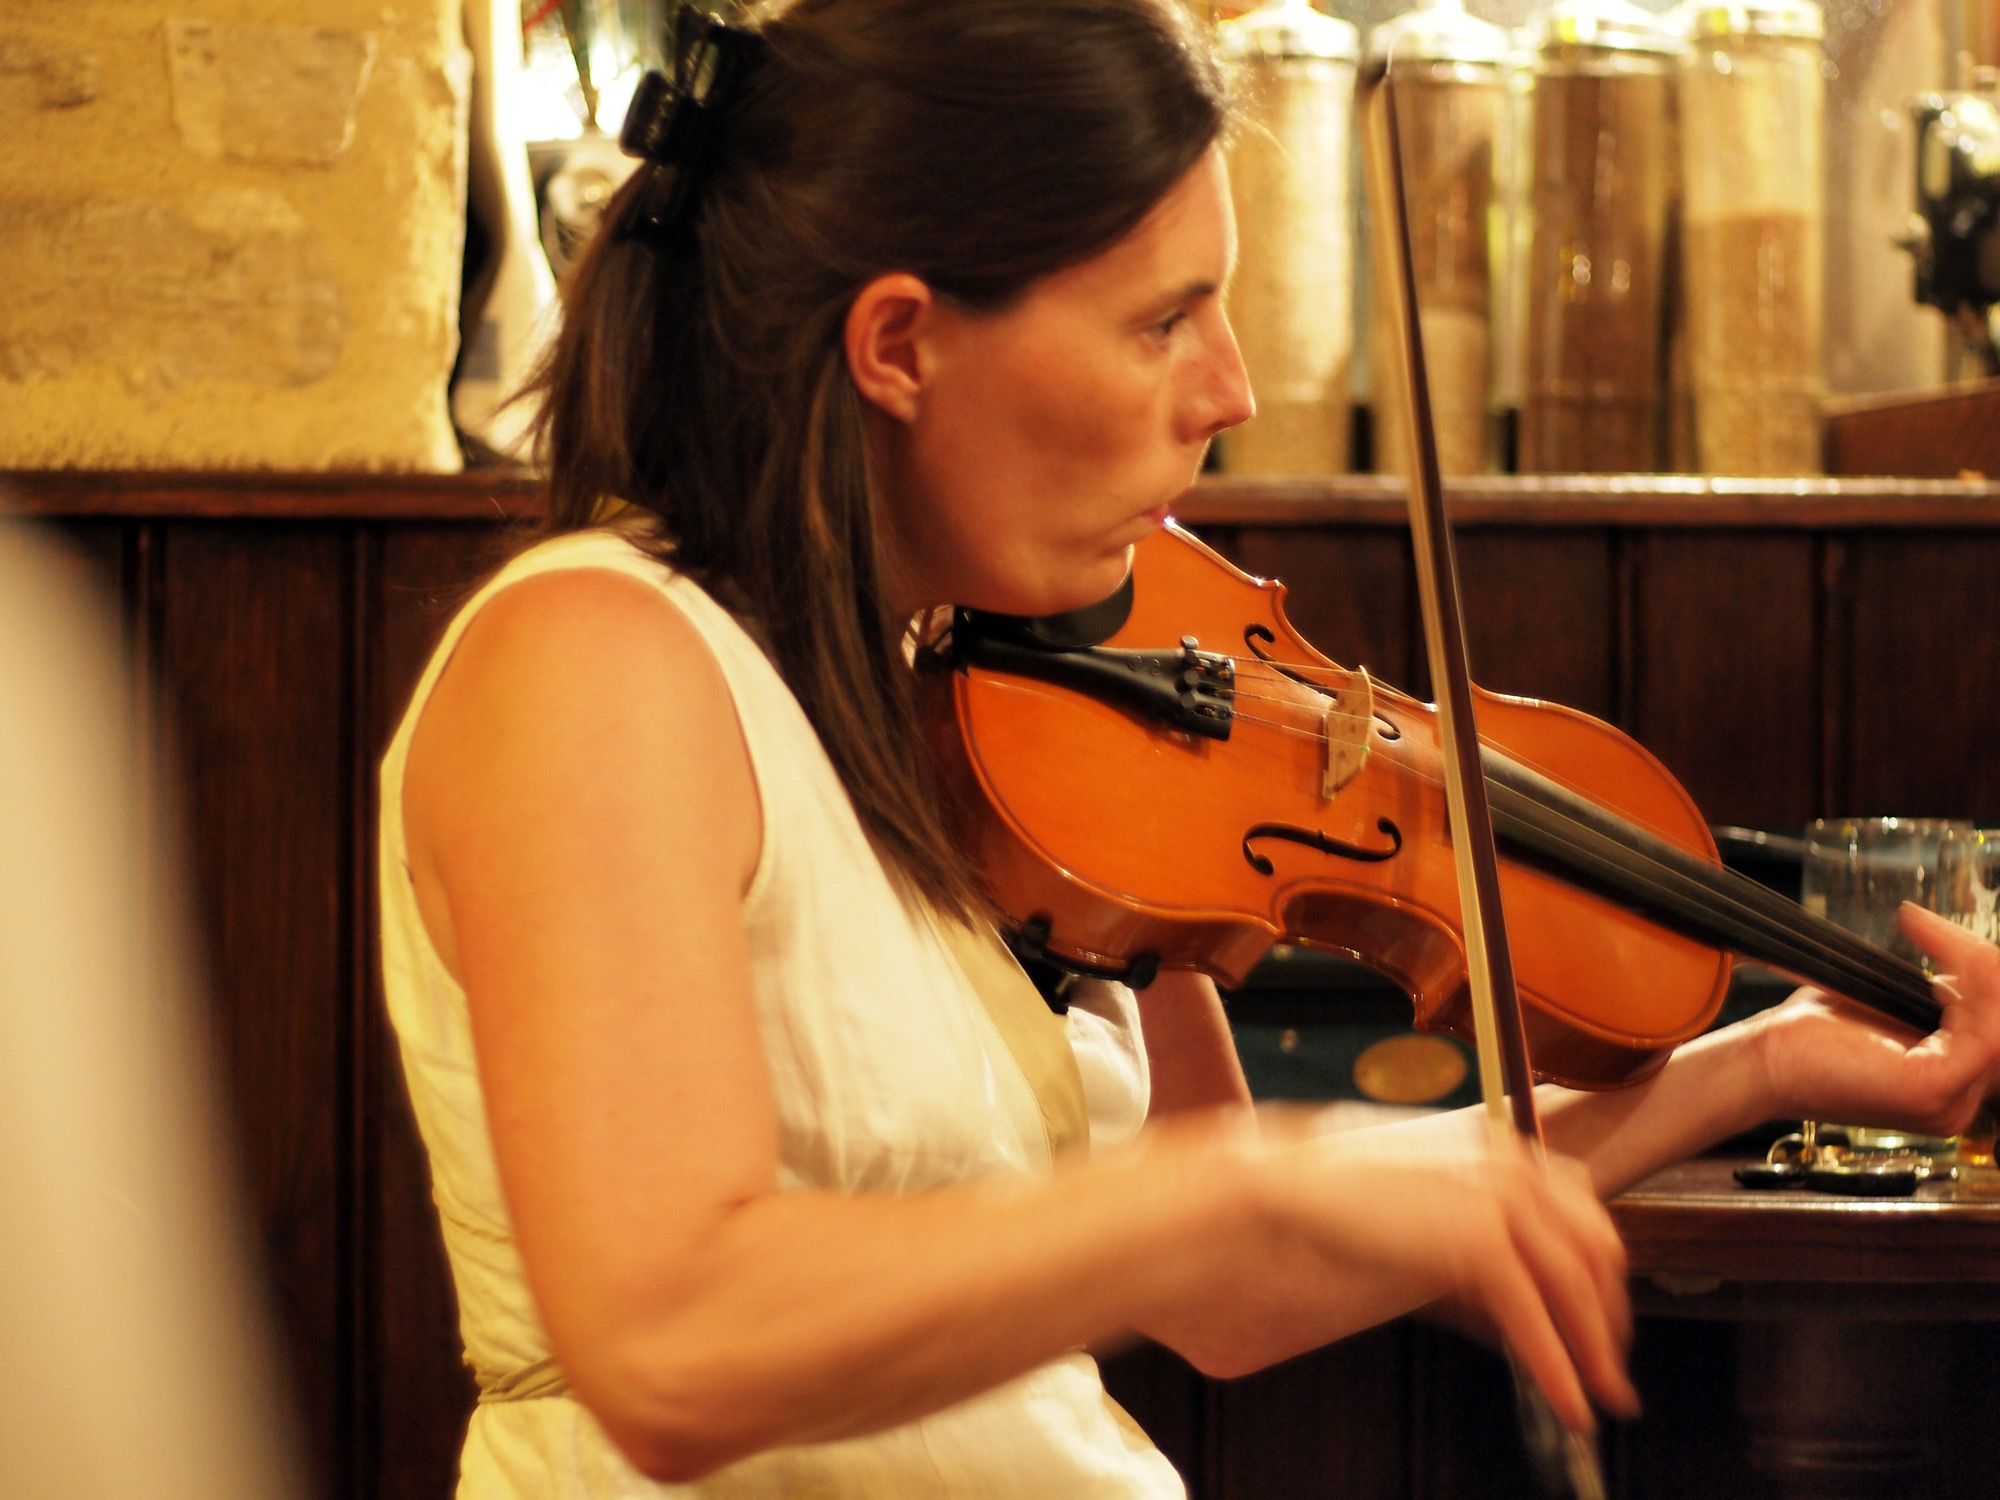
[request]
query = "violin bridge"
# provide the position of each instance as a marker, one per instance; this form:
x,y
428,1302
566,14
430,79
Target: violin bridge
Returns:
x,y
1344,729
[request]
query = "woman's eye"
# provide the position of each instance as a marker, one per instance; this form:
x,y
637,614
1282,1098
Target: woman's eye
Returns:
x,y
1166,325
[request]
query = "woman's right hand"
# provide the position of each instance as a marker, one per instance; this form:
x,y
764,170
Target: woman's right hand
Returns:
x,y
1519,1243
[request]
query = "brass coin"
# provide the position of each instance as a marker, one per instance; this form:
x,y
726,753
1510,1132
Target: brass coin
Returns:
x,y
1409,1069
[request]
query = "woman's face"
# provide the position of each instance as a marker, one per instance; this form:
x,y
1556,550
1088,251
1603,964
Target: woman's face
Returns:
x,y
1041,442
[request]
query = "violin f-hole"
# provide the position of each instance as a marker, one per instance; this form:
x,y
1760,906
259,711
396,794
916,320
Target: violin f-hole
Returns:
x,y
1254,636
1313,839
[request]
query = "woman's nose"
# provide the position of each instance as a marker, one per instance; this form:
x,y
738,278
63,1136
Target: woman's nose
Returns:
x,y
1226,400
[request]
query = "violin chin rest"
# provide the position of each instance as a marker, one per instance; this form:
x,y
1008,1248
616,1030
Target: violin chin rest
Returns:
x,y
1072,630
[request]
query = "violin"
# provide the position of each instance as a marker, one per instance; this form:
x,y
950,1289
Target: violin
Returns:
x,y
1176,778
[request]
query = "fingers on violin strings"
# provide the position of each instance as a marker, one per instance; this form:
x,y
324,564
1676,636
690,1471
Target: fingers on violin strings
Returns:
x,y
1968,986
1969,965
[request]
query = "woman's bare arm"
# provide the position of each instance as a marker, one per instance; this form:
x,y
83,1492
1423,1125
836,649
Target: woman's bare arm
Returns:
x,y
1813,1055
1189,1050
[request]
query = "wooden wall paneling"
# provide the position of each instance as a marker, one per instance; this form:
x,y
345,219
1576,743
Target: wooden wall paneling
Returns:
x,y
1625,553
252,641
1727,672
1971,1468
363,546
1333,1422
1836,675
100,547
1926,674
1539,614
1163,1394
1690,1438
1349,591
1465,1433
416,1391
1226,539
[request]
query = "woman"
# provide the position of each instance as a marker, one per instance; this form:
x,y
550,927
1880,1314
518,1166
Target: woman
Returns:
x,y
756,1168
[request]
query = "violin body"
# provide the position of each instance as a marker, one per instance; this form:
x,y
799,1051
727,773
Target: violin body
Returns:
x,y
1122,841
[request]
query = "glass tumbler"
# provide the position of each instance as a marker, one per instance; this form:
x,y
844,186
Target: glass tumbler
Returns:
x,y
1858,871
1967,889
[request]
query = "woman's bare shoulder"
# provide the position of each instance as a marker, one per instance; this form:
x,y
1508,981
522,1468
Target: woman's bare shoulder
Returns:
x,y
551,622
580,707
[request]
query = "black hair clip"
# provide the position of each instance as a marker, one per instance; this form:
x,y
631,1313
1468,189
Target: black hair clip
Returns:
x,y
674,125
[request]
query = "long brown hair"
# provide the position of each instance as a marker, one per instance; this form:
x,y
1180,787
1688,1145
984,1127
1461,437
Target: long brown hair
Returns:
x,y
979,144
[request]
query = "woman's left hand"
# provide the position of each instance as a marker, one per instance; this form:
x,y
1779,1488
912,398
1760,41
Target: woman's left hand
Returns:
x,y
1829,1059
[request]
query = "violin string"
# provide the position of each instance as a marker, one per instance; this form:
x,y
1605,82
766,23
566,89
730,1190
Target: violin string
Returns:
x,y
1317,710
1337,676
1865,968
1311,733
1316,707
1303,667
1045,690
1860,962
1048,691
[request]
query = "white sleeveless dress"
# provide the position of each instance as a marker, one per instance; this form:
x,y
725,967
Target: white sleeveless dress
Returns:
x,y
889,1076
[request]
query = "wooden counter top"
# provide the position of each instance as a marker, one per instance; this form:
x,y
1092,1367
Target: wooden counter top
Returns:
x,y
1703,1246
1567,500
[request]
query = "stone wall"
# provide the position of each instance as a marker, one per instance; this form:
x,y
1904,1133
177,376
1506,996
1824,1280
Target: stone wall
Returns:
x,y
230,232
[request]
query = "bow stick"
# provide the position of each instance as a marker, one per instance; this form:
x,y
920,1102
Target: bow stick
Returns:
x,y
1506,1077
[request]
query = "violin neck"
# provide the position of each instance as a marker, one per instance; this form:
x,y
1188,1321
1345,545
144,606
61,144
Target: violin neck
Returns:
x,y
1544,823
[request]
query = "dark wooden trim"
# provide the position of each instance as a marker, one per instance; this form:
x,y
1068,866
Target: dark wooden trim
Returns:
x,y
1625,582
359,1411
1835,645
1665,500
1947,432
497,495
1693,1220
491,495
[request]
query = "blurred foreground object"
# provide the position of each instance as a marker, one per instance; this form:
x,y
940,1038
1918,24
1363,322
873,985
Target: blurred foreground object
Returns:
x,y
230,243
1292,299
135,1361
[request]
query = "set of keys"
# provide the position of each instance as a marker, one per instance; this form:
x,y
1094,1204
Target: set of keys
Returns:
x,y
1823,1161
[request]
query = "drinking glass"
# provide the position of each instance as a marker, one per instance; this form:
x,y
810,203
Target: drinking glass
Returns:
x,y
1966,879
1967,889
1857,872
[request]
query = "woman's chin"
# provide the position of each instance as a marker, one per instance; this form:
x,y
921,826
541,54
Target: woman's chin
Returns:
x,y
1104,583
1061,590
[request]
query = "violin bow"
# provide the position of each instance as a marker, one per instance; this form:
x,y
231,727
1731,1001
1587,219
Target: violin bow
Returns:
x,y
1506,1077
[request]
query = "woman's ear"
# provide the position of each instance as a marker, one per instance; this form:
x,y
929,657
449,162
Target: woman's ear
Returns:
x,y
888,329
